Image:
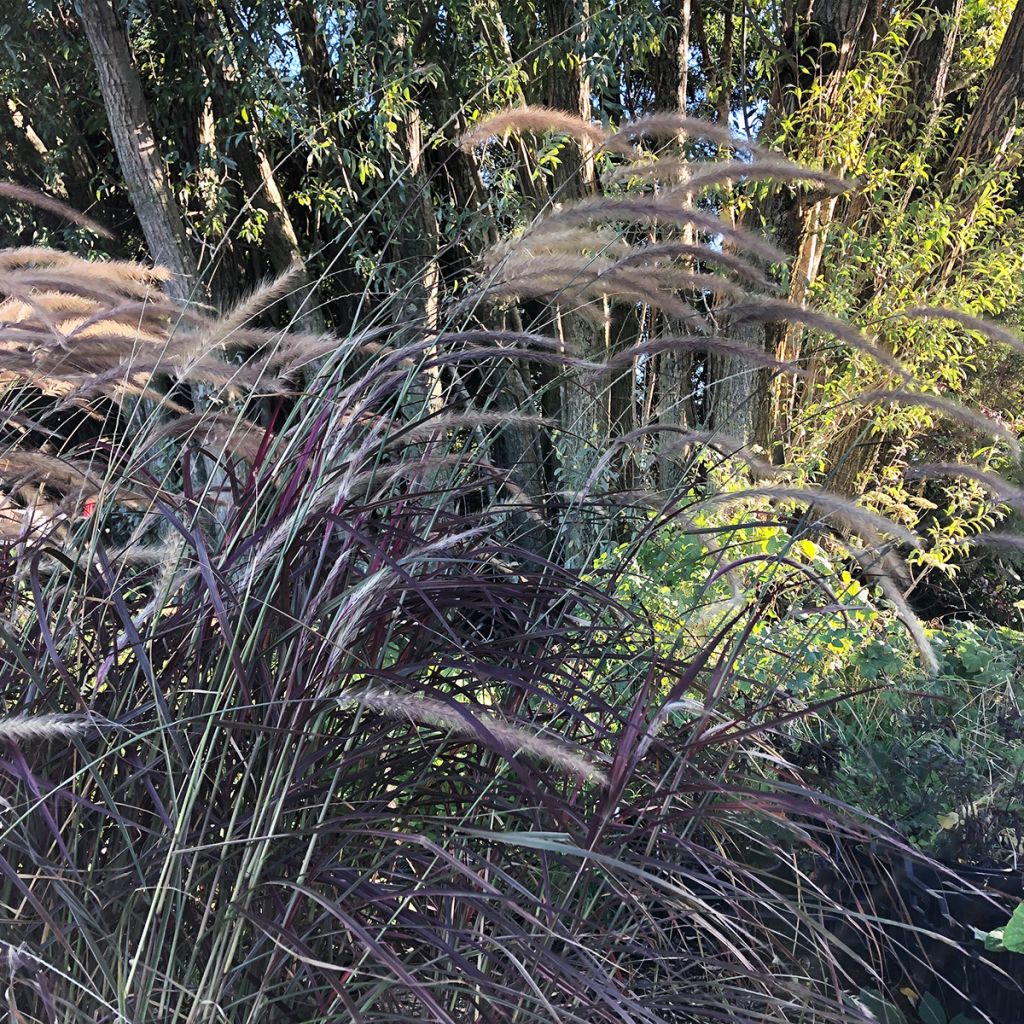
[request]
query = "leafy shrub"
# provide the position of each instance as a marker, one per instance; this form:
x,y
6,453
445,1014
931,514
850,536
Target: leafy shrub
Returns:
x,y
939,756
1010,937
943,757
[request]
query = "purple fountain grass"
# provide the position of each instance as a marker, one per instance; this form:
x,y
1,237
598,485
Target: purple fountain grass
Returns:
x,y
372,755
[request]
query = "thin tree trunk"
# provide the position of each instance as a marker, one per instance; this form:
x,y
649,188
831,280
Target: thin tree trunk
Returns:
x,y
984,143
315,67
724,101
530,181
280,241
673,371
136,146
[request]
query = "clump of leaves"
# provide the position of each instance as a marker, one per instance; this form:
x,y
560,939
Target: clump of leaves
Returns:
x,y
1009,938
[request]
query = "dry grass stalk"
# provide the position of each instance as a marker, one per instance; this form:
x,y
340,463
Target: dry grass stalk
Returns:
x,y
21,194
655,210
532,119
660,251
686,177
761,309
876,568
671,126
704,343
473,724
970,417
851,515
998,487
438,426
28,728
991,330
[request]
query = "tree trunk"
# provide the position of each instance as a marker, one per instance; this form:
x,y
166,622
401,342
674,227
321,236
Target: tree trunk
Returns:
x,y
930,59
567,87
280,241
315,67
994,120
673,372
826,41
136,146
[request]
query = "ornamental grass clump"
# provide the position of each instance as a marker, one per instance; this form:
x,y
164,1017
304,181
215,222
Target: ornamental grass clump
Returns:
x,y
308,720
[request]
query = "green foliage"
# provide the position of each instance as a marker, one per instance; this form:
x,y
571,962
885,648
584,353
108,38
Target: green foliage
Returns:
x,y
942,757
819,631
913,235
1009,938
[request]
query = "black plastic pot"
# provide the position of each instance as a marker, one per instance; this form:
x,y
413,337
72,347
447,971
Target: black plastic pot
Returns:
x,y
941,954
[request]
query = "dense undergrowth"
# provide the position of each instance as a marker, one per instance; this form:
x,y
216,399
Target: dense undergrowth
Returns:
x,y
938,753
309,718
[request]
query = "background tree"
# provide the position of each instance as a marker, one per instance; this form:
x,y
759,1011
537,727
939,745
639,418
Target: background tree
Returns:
x,y
231,139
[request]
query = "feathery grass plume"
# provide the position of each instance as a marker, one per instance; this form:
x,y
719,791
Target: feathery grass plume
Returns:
x,y
671,278
221,332
557,268
532,119
994,539
232,435
723,444
996,485
136,279
34,519
473,725
666,170
92,328
671,126
686,177
21,194
523,274
656,289
969,417
704,343
761,309
658,251
993,331
586,279
663,210
441,424
499,339
773,168
474,355
29,728
726,445
600,242
70,478
869,524
879,570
